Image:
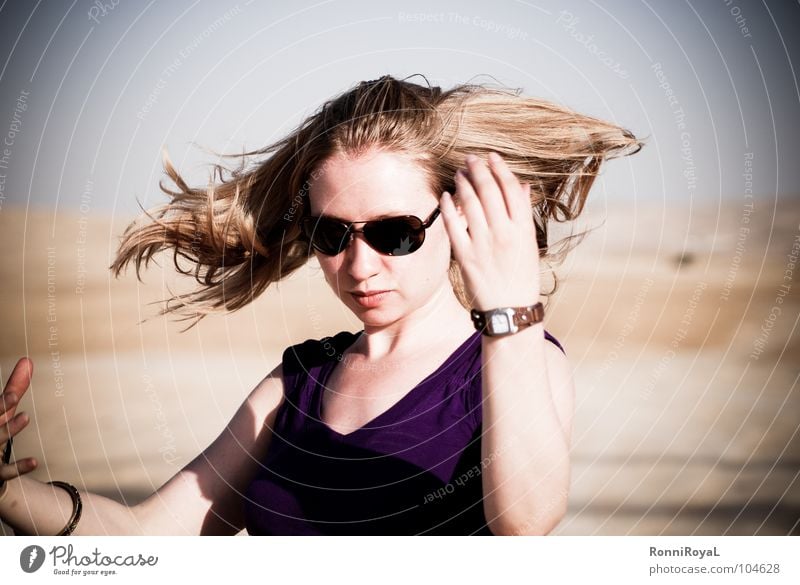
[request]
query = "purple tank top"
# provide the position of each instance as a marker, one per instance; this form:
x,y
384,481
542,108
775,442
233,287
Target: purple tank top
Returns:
x,y
414,469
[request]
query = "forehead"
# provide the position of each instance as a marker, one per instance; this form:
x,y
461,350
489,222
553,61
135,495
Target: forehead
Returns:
x,y
370,186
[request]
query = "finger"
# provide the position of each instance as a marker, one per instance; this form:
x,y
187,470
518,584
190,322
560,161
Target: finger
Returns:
x,y
516,196
489,192
453,223
7,404
471,206
20,378
18,468
14,427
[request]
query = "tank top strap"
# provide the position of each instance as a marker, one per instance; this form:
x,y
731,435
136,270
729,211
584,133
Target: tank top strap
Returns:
x,y
303,365
304,361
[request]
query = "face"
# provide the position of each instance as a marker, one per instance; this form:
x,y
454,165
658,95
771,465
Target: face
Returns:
x,y
371,186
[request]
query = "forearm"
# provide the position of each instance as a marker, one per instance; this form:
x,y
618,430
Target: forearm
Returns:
x,y
524,447
35,508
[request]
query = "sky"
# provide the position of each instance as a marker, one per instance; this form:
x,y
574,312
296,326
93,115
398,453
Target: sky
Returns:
x,y
92,92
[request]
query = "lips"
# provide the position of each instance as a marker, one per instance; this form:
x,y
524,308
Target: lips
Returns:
x,y
366,293
370,298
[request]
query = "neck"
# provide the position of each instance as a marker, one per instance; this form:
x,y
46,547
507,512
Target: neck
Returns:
x,y
440,322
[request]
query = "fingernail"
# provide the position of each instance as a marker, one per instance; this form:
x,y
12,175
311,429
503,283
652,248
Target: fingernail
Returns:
x,y
471,158
494,157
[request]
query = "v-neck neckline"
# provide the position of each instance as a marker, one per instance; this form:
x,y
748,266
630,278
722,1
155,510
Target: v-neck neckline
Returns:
x,y
327,370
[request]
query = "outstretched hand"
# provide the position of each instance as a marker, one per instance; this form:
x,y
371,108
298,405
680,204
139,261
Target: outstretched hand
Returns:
x,y
10,423
493,235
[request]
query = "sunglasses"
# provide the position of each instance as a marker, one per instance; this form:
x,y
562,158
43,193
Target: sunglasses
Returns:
x,y
392,236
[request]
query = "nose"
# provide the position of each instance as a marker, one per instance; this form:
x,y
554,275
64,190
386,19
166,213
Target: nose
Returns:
x,y
361,261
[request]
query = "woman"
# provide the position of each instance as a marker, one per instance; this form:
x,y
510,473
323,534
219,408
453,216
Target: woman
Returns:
x,y
419,205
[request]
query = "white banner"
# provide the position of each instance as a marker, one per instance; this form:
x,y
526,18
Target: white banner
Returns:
x,y
224,560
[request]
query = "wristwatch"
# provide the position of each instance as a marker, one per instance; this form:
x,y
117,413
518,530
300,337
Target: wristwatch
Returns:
x,y
506,320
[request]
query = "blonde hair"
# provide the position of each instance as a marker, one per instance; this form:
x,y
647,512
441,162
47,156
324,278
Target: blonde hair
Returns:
x,y
242,232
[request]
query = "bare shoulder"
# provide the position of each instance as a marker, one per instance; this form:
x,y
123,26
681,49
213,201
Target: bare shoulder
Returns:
x,y
205,497
268,395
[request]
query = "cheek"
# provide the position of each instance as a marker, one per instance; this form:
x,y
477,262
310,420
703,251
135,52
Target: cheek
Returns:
x,y
440,248
330,265
433,262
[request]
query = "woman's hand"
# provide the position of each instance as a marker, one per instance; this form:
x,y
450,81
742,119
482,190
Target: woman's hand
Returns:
x,y
11,424
498,255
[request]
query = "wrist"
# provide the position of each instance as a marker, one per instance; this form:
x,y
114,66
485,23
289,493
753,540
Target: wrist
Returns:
x,y
503,321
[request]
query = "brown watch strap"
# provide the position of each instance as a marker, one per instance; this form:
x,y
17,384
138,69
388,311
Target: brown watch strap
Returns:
x,y
528,315
522,316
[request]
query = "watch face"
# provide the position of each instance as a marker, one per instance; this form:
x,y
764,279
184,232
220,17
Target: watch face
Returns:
x,y
499,323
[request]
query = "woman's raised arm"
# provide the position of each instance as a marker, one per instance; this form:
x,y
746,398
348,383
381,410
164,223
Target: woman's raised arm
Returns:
x,y
205,497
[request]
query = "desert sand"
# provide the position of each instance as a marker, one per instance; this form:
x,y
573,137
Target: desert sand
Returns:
x,y
680,325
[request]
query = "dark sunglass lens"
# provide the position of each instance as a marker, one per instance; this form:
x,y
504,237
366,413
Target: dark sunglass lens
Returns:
x,y
396,236
328,236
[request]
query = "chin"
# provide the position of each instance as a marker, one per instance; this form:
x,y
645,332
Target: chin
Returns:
x,y
375,317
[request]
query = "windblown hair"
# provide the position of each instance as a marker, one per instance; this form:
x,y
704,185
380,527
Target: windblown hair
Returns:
x,y
242,232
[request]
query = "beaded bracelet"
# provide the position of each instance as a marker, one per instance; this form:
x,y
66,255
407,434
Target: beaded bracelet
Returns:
x,y
77,504
77,508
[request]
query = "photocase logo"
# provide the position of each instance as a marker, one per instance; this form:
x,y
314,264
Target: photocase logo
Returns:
x,y
31,558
